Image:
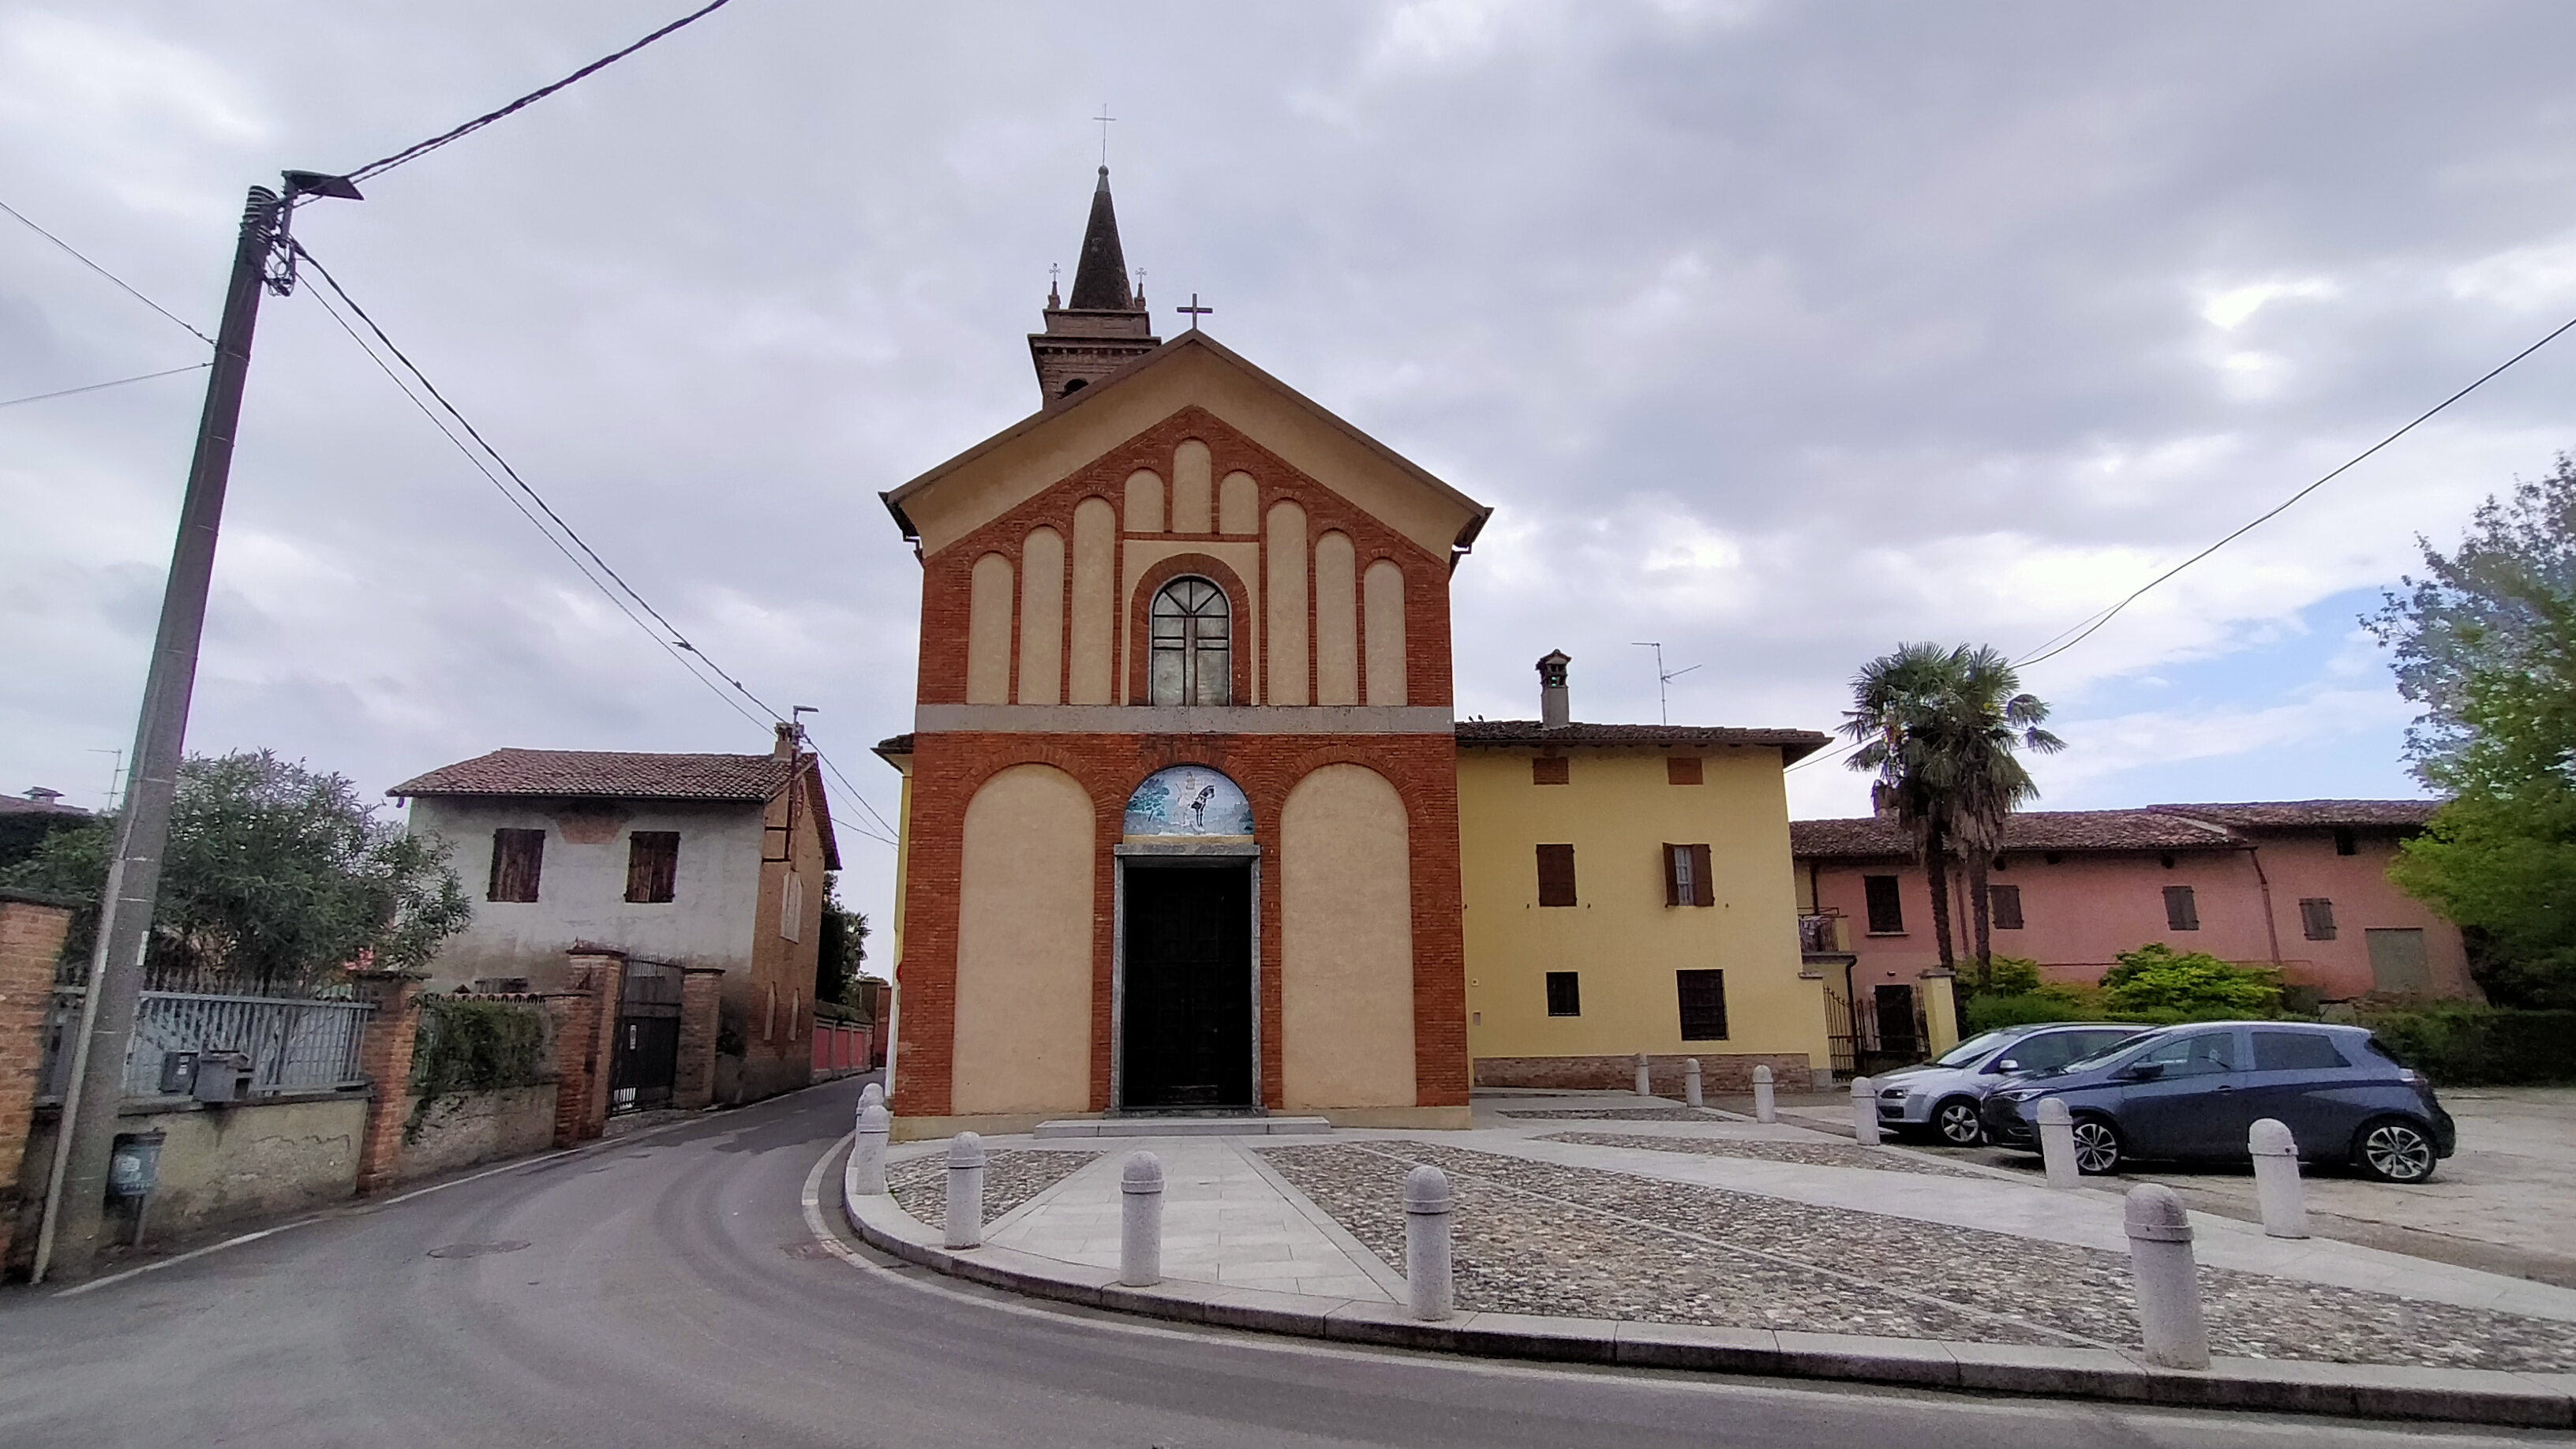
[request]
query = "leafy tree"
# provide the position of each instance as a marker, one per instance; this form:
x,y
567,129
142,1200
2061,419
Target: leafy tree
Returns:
x,y
1942,728
2157,980
2486,643
275,875
841,947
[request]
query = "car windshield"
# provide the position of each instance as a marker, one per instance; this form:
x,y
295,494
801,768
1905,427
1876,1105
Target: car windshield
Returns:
x,y
2096,1058
1973,1049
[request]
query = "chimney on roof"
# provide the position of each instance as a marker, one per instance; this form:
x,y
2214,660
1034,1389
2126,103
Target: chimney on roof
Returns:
x,y
43,796
1554,712
785,749
1882,800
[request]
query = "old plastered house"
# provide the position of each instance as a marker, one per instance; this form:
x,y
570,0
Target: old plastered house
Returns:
x,y
676,862
1182,804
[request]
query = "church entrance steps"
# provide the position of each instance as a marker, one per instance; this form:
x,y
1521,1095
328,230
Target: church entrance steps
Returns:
x,y
1181,1126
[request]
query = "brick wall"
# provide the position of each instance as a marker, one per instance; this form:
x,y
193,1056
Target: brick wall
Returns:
x,y
693,1084
585,1023
31,937
384,1054
949,768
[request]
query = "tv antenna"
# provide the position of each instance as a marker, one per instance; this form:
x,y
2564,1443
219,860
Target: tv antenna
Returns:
x,y
115,778
1663,678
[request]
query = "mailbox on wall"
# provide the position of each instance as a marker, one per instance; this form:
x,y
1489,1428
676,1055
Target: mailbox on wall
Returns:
x,y
222,1076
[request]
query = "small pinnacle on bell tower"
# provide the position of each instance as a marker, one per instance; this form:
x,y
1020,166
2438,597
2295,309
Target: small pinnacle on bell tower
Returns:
x,y
1104,323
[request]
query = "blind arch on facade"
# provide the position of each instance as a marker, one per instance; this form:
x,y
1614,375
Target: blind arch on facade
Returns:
x,y
1193,645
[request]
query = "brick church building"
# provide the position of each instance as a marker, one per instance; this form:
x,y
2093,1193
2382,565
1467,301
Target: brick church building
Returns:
x,y
1180,823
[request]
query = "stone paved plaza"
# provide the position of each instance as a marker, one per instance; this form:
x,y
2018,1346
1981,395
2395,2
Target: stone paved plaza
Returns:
x,y
1610,1206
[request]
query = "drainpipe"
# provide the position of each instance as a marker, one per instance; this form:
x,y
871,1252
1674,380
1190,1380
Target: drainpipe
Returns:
x,y
2271,923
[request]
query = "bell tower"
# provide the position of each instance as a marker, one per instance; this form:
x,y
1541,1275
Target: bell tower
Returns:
x,y
1106,325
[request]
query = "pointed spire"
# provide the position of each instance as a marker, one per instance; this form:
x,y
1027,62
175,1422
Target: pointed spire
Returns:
x,y
1100,278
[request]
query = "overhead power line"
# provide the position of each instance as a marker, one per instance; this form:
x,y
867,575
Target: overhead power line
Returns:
x,y
95,386
542,516
414,152
104,272
2053,648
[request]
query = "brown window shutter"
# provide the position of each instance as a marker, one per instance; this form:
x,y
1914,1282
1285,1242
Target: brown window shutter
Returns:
x,y
1673,858
1681,769
518,861
1556,875
1548,770
652,865
1703,889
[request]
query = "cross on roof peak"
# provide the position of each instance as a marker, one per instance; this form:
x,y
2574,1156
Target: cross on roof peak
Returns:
x,y
1194,311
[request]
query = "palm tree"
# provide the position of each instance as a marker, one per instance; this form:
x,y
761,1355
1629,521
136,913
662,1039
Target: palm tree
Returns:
x,y
1989,716
1941,727
1898,703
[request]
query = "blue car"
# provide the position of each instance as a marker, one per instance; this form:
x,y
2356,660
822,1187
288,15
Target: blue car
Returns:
x,y
2193,1091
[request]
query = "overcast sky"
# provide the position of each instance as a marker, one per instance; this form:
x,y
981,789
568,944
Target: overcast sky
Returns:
x,y
1775,333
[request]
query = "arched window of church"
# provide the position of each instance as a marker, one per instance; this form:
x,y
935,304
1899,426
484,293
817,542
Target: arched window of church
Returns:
x,y
1193,661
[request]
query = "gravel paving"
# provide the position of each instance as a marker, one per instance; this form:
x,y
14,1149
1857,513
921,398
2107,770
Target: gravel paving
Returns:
x,y
920,1186
1534,1237
1805,1154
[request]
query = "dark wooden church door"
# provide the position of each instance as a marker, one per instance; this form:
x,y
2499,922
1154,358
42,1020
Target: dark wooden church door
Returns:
x,y
1187,1035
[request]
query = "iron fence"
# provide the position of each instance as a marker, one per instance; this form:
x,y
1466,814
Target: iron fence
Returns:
x,y
292,1045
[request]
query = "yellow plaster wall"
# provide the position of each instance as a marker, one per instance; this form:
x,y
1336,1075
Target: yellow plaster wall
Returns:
x,y
1337,622
1193,492
1238,508
1287,605
1617,812
1144,501
1346,943
1023,1024
1042,617
1095,600
988,631
1383,591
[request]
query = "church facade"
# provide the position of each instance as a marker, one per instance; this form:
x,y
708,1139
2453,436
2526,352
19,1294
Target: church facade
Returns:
x,y
1181,817
1181,822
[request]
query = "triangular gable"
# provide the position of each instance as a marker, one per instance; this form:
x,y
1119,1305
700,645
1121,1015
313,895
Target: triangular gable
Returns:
x,y
1014,465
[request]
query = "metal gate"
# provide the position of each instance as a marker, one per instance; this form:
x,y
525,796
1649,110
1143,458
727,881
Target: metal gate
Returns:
x,y
646,1058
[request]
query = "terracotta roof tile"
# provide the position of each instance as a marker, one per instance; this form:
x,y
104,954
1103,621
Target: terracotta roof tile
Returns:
x,y
1869,837
2312,814
606,774
1794,744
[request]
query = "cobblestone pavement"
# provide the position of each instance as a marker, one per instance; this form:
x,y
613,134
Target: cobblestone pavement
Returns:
x,y
920,1185
1808,1154
1536,1237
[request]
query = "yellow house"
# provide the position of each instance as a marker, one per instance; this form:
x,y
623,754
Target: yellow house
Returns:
x,y
1628,889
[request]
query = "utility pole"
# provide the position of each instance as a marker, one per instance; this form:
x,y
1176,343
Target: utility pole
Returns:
x,y
75,1196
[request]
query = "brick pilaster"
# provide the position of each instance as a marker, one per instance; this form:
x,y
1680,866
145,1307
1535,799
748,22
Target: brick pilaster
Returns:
x,y
693,1085
31,937
385,1054
585,1025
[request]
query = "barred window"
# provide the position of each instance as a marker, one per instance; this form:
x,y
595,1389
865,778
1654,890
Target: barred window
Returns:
x,y
1564,993
1703,1004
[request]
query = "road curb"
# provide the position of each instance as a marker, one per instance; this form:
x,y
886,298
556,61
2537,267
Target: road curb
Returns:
x,y
2370,1391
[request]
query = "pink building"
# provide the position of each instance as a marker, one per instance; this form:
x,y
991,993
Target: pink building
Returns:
x,y
2300,885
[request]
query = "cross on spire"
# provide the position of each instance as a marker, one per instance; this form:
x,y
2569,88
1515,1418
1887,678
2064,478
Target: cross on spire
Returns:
x,y
1194,311
1104,118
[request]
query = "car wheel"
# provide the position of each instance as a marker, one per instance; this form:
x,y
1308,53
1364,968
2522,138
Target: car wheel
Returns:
x,y
2097,1146
2393,1149
1957,1123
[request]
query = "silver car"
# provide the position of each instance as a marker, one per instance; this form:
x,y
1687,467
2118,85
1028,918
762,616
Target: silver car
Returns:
x,y
1943,1099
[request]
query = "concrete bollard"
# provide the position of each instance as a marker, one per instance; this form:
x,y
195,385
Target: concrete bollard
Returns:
x,y
2168,1284
1426,1243
2057,1143
1645,1077
1865,1111
1690,1080
868,1150
1766,1107
2276,1179
1140,1221
965,1191
872,1092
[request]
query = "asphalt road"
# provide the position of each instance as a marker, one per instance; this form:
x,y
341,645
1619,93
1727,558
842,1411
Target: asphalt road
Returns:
x,y
670,1292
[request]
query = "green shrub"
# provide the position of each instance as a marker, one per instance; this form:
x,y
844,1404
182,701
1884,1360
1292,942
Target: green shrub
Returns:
x,y
2025,1008
2462,1045
2157,983
470,1045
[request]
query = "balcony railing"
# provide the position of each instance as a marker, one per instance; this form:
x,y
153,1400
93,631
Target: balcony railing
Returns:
x,y
1823,936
